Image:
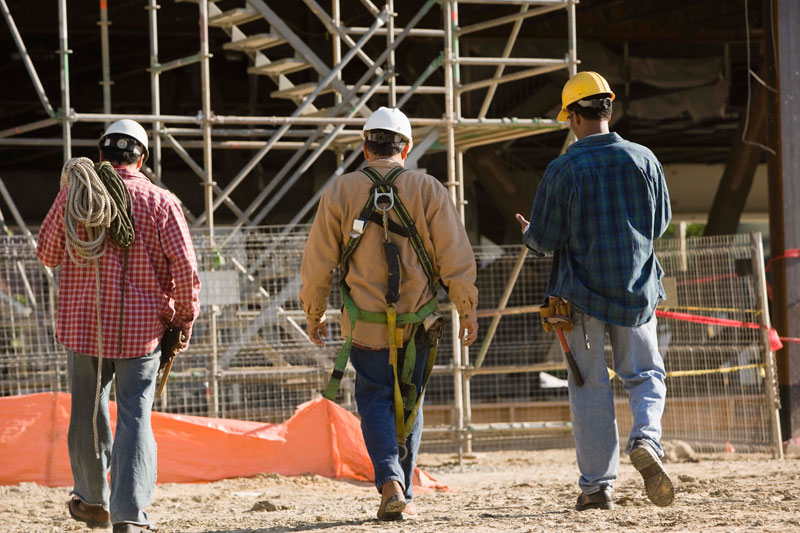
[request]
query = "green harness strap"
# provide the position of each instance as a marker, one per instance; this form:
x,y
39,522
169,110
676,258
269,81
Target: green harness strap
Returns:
x,y
406,398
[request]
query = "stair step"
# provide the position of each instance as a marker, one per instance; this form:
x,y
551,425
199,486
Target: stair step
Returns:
x,y
280,66
324,112
233,17
301,90
253,43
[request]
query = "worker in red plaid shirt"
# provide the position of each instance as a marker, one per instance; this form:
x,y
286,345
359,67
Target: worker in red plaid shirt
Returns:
x,y
161,288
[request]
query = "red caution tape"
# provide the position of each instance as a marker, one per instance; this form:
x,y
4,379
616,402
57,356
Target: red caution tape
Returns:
x,y
775,343
794,253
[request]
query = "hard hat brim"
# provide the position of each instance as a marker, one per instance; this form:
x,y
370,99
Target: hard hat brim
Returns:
x,y
562,116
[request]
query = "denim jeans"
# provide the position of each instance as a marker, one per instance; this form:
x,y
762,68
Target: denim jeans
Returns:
x,y
639,365
375,401
131,455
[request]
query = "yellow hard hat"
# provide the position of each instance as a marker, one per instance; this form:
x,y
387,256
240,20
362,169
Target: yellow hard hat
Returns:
x,y
581,85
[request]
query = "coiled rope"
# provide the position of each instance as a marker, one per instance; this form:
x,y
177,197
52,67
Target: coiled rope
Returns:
x,y
97,200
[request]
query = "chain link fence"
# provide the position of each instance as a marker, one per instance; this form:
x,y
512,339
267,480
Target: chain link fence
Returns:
x,y
250,358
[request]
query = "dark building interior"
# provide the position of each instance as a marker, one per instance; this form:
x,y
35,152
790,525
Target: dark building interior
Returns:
x,y
679,70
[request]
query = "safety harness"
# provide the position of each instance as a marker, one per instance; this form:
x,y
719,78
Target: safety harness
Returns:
x,y
383,198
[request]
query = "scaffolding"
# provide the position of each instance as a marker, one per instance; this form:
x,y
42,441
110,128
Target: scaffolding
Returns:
x,y
275,51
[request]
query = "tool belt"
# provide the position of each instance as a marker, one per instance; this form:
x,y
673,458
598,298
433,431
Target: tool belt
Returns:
x,y
556,313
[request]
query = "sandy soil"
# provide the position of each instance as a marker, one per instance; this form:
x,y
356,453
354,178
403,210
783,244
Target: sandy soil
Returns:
x,y
511,491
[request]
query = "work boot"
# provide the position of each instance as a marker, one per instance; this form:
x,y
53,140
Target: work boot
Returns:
x,y
392,502
657,483
596,500
91,515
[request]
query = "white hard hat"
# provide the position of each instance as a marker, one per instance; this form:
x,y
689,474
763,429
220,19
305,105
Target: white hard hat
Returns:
x,y
389,119
128,127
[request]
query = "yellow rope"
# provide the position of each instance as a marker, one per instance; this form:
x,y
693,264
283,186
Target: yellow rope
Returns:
x,y
702,372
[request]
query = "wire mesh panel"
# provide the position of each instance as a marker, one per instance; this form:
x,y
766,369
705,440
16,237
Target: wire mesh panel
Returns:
x,y
250,358
715,375
30,359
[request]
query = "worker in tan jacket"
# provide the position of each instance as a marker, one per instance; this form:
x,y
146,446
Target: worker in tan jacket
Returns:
x,y
395,234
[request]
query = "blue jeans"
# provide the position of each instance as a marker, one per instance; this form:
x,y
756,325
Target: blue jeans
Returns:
x,y
640,367
132,454
375,401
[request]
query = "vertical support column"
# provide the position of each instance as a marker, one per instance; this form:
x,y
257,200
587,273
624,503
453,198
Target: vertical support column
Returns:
x,y
770,379
572,57
450,22
684,263
784,195
392,96
465,349
205,80
337,58
572,35
155,90
104,54
64,52
337,47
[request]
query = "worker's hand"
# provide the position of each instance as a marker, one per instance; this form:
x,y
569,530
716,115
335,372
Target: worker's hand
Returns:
x,y
316,332
522,222
183,340
467,330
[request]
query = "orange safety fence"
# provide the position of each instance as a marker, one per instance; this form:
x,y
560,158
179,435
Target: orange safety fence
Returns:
x,y
320,438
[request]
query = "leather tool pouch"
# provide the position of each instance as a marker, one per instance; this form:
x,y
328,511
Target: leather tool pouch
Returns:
x,y
434,327
556,313
169,343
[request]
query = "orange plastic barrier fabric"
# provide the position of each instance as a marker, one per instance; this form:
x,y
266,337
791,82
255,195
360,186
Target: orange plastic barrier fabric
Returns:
x,y
321,438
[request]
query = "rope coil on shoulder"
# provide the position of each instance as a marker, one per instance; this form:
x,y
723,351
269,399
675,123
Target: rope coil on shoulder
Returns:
x,y
97,201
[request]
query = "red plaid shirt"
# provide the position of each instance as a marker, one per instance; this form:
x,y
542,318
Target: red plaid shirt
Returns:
x,y
161,281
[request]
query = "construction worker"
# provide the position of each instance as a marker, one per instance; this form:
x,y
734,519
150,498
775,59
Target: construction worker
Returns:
x,y
408,236
140,290
598,208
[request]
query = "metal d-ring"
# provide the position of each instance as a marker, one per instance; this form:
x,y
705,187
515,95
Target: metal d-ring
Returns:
x,y
404,449
380,199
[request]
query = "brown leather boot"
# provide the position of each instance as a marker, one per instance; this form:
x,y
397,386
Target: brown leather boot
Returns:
x,y
91,515
392,502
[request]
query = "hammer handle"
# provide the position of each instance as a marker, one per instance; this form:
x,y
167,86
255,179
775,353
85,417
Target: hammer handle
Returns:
x,y
573,366
164,377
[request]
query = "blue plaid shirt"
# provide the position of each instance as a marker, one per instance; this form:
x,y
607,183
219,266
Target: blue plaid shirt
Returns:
x,y
599,207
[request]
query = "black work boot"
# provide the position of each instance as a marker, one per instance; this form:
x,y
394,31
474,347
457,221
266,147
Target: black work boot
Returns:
x,y
657,483
596,500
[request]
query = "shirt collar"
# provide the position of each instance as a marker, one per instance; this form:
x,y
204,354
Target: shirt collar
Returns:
x,y
125,173
597,139
384,163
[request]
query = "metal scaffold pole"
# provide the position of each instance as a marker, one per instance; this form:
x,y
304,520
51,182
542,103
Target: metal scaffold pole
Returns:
x,y
205,80
64,52
450,23
155,89
105,55
392,97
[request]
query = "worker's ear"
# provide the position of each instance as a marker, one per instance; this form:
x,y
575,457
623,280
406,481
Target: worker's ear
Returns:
x,y
140,162
405,151
366,153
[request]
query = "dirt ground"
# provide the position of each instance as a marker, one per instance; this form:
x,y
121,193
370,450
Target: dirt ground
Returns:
x,y
522,491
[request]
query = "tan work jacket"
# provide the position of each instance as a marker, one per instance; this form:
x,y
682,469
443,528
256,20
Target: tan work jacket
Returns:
x,y
437,223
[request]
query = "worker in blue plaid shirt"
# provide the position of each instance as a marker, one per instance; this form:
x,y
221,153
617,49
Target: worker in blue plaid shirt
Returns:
x,y
599,208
